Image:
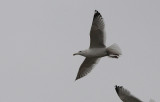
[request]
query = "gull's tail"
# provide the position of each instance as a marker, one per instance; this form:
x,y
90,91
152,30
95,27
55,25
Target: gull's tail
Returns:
x,y
114,51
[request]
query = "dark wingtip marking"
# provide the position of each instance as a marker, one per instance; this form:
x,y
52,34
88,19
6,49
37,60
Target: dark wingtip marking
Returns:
x,y
78,77
96,14
96,11
117,88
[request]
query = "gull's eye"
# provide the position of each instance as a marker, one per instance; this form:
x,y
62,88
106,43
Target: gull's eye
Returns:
x,y
80,51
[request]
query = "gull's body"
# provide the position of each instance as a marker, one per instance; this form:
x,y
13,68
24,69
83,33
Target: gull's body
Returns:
x,y
97,47
95,52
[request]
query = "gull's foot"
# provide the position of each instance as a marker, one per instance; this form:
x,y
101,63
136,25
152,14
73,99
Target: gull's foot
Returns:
x,y
114,56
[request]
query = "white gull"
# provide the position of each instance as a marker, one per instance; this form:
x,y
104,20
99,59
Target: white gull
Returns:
x,y
97,47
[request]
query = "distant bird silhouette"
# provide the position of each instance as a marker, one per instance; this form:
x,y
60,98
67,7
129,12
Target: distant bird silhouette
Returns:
x,y
97,47
126,96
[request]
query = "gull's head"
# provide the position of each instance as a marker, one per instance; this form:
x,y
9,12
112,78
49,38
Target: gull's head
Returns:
x,y
82,53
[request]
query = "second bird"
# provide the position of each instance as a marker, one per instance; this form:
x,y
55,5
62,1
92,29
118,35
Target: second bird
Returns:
x,y
97,47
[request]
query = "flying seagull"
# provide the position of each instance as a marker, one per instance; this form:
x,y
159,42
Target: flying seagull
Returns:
x,y
97,47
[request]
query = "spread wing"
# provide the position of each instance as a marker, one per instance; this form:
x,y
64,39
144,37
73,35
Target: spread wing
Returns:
x,y
97,33
125,95
87,66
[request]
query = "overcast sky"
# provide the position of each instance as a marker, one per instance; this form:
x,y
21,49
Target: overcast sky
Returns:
x,y
38,39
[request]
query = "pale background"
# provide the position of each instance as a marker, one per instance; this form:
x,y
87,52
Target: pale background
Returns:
x,y
38,38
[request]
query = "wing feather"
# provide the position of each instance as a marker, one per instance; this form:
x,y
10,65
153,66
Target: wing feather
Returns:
x,y
97,33
125,95
86,67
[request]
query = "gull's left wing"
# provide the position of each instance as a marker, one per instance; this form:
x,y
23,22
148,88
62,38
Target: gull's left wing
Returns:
x,y
87,66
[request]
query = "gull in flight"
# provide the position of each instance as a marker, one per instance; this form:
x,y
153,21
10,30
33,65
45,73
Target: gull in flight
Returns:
x,y
126,96
97,47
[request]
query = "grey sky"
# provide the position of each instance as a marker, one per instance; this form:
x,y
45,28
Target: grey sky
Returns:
x,y
38,38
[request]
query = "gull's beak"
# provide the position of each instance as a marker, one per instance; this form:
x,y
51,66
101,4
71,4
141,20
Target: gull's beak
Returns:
x,y
74,54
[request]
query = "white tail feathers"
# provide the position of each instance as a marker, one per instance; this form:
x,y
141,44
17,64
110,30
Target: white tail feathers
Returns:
x,y
114,49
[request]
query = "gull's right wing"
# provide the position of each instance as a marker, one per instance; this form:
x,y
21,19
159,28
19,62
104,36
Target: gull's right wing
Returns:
x,y
97,33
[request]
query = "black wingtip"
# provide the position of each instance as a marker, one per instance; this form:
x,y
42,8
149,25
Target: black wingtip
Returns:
x,y
95,11
77,78
117,88
96,14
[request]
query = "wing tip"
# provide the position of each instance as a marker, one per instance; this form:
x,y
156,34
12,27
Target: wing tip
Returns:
x,y
117,88
96,13
78,77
